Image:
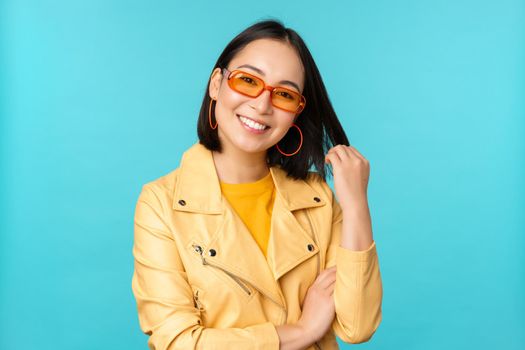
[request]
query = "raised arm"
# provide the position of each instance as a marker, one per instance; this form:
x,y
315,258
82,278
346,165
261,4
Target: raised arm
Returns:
x,y
358,288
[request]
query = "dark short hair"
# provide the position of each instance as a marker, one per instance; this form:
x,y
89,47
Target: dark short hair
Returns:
x,y
318,121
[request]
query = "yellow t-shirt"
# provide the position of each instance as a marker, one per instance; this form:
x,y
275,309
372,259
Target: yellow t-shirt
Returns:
x,y
253,202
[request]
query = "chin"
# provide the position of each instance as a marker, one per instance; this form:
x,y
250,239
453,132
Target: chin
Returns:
x,y
251,146
254,149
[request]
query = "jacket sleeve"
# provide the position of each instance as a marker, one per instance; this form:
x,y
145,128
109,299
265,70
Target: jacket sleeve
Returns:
x,y
358,289
164,298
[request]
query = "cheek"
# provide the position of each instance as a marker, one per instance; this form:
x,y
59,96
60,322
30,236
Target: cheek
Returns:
x,y
284,120
226,106
283,124
231,100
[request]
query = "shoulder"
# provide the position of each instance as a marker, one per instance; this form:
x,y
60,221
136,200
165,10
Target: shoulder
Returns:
x,y
160,190
164,182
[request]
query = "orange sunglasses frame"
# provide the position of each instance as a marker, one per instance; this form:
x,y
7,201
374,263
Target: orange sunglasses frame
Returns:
x,y
300,108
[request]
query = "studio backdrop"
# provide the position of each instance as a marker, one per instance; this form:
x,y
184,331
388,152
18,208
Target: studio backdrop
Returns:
x,y
99,97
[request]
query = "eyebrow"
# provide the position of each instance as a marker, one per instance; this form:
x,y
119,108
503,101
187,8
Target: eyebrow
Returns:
x,y
285,82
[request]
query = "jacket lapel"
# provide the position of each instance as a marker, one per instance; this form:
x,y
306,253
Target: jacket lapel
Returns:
x,y
236,249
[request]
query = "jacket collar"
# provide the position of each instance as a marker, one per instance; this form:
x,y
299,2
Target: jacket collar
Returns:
x,y
198,185
289,243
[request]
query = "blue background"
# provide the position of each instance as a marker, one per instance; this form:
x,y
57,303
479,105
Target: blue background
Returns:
x,y
99,97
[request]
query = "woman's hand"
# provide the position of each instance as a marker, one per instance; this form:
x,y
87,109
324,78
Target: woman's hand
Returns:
x,y
351,172
318,309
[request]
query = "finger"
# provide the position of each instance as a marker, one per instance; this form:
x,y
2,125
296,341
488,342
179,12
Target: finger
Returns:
x,y
329,270
332,151
331,289
356,153
333,158
325,283
342,153
331,286
325,274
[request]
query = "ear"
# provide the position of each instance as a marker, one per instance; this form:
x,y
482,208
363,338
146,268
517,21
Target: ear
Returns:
x,y
215,83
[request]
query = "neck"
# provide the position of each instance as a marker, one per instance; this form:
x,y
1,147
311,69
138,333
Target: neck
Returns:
x,y
236,166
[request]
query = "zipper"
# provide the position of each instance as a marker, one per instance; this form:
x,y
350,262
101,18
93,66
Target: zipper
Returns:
x,y
235,278
199,250
198,303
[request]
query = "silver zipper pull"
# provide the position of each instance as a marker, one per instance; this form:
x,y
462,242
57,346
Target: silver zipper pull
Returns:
x,y
199,250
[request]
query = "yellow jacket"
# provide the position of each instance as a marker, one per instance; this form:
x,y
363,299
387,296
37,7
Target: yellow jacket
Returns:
x,y
201,282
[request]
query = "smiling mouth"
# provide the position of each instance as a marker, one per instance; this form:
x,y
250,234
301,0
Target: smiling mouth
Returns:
x,y
252,124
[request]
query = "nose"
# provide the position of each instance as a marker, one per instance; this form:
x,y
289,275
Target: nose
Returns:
x,y
262,103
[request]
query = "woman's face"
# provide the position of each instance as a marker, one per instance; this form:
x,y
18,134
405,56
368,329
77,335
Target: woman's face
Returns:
x,y
273,61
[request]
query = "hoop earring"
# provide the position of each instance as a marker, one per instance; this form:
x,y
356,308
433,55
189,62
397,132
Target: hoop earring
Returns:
x,y
300,144
209,116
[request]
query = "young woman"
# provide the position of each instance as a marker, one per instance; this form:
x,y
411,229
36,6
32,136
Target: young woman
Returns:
x,y
243,246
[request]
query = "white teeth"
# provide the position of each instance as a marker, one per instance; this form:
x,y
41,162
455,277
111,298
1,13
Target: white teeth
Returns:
x,y
252,124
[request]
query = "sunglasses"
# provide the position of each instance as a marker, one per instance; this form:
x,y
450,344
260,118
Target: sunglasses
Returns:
x,y
249,85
